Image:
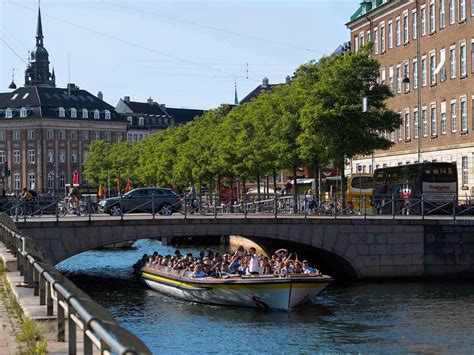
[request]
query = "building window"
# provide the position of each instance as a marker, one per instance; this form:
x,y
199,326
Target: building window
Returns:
x,y
2,135
472,8
464,167
8,113
399,78
399,131
443,117
73,113
50,134
62,156
16,157
462,10
31,156
31,134
462,59
96,114
376,41
414,21
390,78
361,38
463,109
415,124
62,134
390,35
452,112
50,181
432,17
442,14
2,156
472,111
85,113
107,114
50,156
405,28
407,126
442,60
73,135
74,157
31,181
406,70
62,181
423,71
382,38
130,119
97,136
432,68
85,136
23,112
472,52
397,31
356,43
108,136
119,136
415,74
434,121
423,21
424,122
392,136
16,135
62,112
16,181
141,121
452,12
452,62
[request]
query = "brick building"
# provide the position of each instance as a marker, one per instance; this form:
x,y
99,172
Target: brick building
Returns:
x,y
433,87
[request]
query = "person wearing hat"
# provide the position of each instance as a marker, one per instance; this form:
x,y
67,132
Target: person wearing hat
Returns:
x,y
306,268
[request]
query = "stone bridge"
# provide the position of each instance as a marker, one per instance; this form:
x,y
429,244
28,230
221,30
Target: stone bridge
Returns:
x,y
356,247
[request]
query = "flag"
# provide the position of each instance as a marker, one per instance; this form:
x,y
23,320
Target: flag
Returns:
x,y
100,193
75,178
128,187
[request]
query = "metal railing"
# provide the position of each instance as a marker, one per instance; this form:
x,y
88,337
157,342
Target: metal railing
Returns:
x,y
73,306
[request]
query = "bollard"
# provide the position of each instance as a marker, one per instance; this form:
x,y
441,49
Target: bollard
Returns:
x,y
49,299
71,328
36,277
30,275
42,290
61,321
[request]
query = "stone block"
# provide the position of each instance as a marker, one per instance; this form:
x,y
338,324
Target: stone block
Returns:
x,y
373,260
351,252
394,249
453,238
342,243
399,238
377,249
379,229
381,238
316,239
363,249
361,238
329,241
404,260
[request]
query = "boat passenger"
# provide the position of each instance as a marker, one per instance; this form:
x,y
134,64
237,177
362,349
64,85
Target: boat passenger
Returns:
x,y
254,264
307,269
198,273
298,267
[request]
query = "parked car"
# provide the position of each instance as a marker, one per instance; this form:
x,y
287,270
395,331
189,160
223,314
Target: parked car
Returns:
x,y
143,199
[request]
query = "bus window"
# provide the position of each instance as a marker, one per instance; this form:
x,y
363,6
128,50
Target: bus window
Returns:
x,y
362,182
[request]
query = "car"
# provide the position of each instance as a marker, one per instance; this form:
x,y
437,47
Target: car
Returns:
x,y
143,199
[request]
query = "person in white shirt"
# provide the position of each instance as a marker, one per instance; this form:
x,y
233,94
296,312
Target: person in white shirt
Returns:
x,y
254,262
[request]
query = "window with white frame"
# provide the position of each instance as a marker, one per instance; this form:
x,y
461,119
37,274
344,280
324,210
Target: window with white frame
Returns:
x,y
50,134
472,52
415,124
406,73
8,113
434,121
74,135
23,112
31,134
16,135
74,157
443,117
432,17
356,43
376,41
62,156
472,8
399,131
424,122
414,22
119,136
390,78
399,78
107,114
141,121
452,62
398,35
108,136
452,113
432,68
85,113
415,74
423,20
423,71
16,157
405,28
361,38
2,135
96,114
390,34
463,113
31,181
50,156
62,134
452,11
392,136
62,181
73,113
442,59
16,181
85,136
97,135
442,14
472,111
464,172
382,38
2,156
62,112
462,10
462,59
407,126
31,156
383,75
50,180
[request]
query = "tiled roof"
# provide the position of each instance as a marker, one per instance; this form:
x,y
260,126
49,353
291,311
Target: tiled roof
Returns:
x,y
183,115
257,91
145,108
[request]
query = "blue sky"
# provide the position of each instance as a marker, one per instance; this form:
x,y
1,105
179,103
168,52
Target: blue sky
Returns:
x,y
180,53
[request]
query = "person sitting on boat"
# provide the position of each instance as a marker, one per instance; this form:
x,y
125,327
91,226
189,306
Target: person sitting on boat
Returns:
x,y
240,252
254,263
308,269
242,270
198,273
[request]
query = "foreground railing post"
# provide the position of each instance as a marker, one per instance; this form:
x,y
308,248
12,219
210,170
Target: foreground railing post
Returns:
x,y
185,207
275,205
393,206
422,206
61,320
42,290
87,341
335,205
71,328
57,210
36,277
305,207
17,207
454,207
365,206
49,299
153,205
89,209
216,200
121,207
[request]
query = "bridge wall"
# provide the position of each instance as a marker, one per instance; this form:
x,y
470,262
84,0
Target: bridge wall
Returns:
x,y
370,248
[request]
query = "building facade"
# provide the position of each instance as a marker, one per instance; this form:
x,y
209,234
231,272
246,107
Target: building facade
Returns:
x,y
433,86
45,131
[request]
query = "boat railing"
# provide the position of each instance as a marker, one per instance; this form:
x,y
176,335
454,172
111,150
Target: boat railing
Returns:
x,y
74,309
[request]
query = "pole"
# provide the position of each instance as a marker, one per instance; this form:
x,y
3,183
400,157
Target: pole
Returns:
x,y
418,84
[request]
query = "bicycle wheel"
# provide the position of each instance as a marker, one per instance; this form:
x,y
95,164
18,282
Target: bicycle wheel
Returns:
x,y
16,211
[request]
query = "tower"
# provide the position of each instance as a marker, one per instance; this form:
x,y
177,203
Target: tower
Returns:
x,y
37,73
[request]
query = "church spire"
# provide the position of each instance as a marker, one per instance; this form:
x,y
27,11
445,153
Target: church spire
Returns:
x,y
236,99
39,29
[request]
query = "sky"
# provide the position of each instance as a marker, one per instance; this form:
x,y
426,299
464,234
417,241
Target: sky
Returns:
x,y
180,53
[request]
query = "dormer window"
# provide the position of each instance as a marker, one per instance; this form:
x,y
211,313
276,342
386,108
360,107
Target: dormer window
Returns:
x,y
130,119
141,121
85,113
107,114
62,112
23,112
96,114
73,113
8,113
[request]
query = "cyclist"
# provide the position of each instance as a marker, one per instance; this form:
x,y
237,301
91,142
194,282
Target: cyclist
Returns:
x,y
27,196
74,196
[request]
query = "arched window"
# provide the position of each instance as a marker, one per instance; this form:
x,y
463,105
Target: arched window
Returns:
x,y
96,114
23,112
8,113
141,121
73,113
85,113
107,114
62,112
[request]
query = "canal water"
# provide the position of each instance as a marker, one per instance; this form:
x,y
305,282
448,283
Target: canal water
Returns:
x,y
434,317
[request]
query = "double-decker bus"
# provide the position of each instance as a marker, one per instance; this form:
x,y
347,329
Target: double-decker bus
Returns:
x,y
401,189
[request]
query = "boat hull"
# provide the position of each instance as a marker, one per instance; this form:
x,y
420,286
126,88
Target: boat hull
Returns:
x,y
264,292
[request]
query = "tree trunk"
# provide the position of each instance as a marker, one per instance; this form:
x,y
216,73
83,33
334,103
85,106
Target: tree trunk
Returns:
x,y
242,198
267,192
258,188
343,185
295,190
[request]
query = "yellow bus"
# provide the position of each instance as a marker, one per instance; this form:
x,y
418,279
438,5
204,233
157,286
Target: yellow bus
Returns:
x,y
359,188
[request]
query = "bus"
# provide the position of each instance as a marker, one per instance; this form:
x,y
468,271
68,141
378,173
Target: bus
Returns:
x,y
358,191
399,189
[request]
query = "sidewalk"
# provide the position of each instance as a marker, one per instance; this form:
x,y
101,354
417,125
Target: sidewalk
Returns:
x,y
7,335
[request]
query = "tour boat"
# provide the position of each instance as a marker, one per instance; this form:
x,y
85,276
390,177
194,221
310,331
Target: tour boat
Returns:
x,y
258,291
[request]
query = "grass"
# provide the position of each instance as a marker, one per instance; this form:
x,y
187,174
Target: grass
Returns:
x,y
28,335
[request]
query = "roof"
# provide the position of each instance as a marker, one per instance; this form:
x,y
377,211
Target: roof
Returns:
x,y
44,102
184,115
367,6
257,91
145,108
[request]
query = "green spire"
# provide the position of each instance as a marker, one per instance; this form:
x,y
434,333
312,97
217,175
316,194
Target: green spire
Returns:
x,y
236,99
39,29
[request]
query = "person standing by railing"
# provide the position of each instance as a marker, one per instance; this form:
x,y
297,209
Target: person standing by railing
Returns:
x,y
192,196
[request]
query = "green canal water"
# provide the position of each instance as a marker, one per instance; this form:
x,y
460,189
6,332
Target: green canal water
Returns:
x,y
393,317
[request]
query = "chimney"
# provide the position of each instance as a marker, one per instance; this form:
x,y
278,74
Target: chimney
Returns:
x,y
149,101
100,95
71,86
265,82
288,79
126,98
